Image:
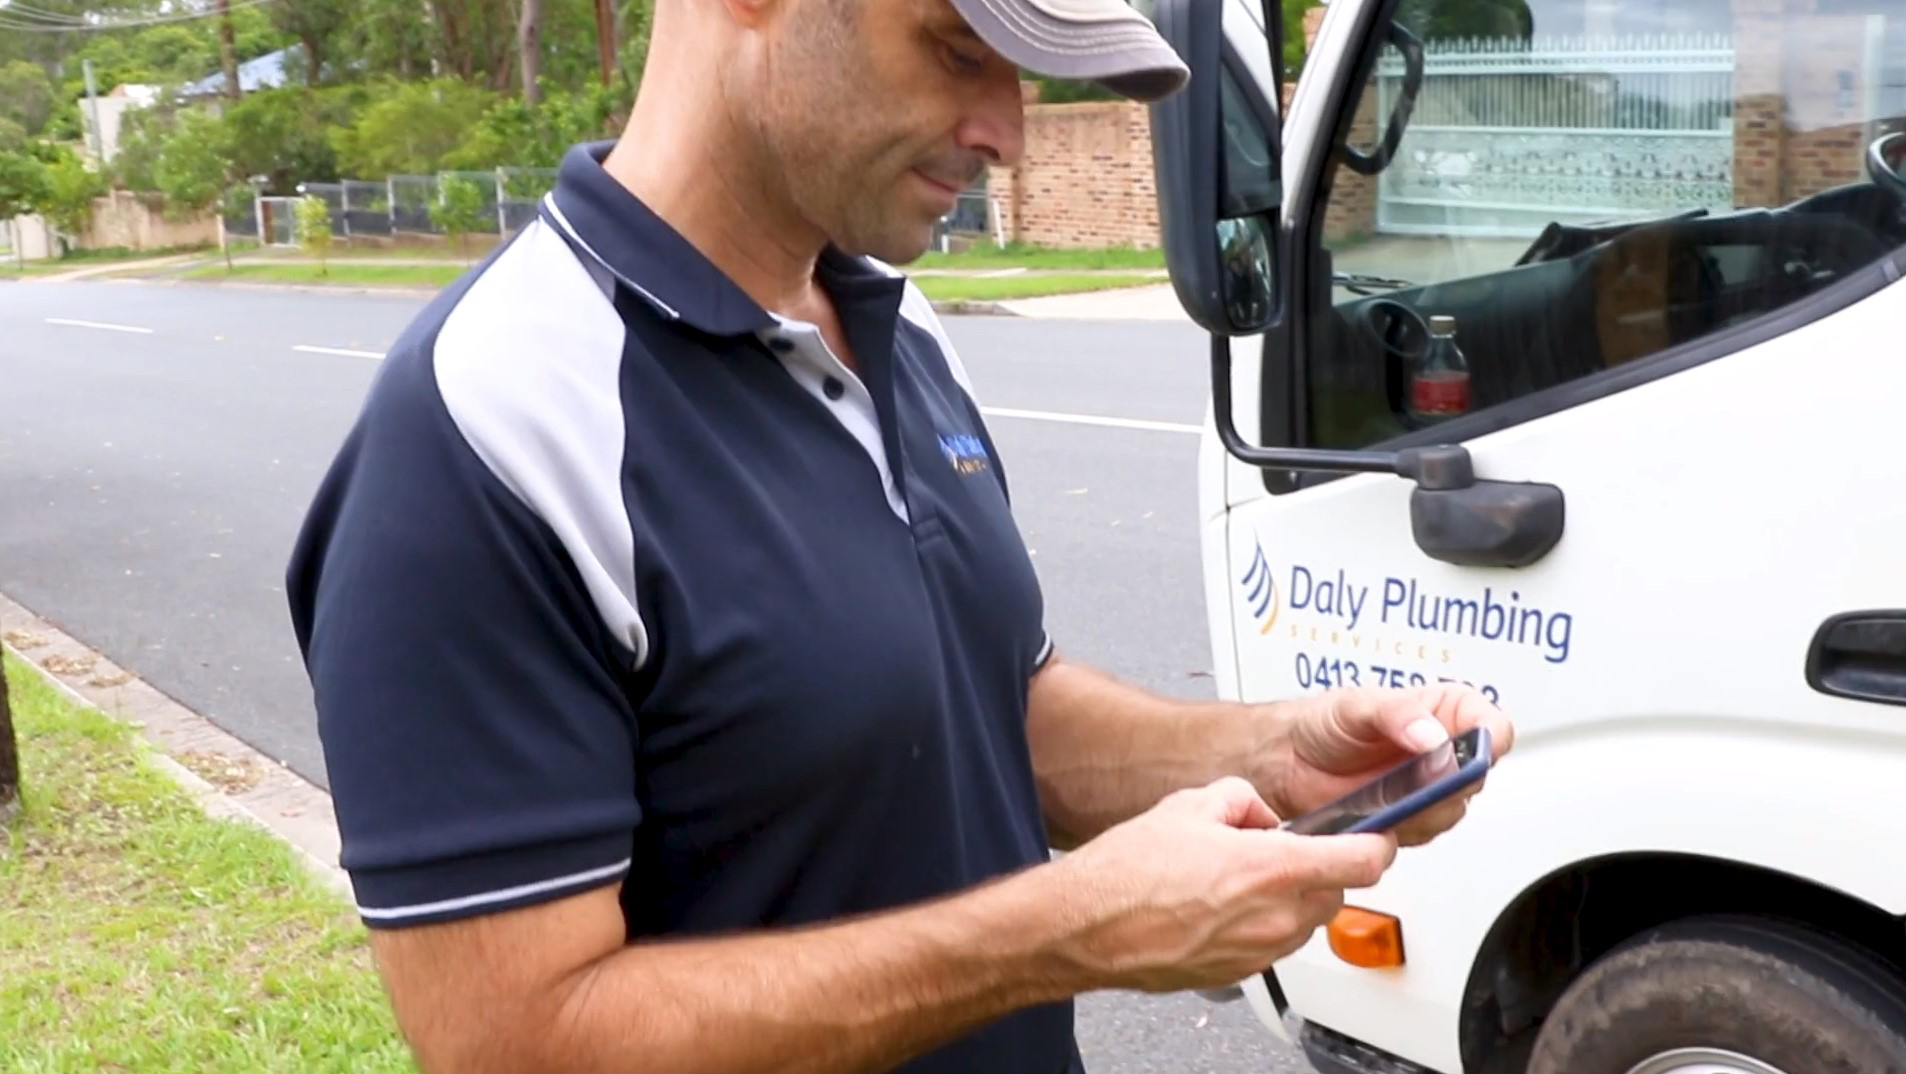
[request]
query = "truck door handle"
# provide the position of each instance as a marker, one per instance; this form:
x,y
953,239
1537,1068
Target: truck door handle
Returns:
x,y
1860,655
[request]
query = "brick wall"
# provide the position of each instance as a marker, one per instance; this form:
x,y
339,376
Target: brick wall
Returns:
x,y
1085,179
1798,128
1352,211
139,222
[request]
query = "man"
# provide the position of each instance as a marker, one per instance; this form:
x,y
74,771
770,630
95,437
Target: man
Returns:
x,y
681,674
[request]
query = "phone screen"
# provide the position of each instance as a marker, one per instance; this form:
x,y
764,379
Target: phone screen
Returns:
x,y
1421,772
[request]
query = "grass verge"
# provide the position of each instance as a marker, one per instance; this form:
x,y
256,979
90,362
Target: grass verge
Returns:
x,y
938,288
309,272
1017,255
13,270
142,936
1006,288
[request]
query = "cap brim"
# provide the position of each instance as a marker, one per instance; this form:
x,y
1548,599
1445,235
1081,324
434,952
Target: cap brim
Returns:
x,y
1104,41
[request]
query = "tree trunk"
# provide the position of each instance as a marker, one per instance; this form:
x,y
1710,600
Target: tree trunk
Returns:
x,y
502,58
606,39
228,50
313,61
529,46
9,758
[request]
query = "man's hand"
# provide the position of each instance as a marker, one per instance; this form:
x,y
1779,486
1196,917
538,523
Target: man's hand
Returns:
x,y
1335,742
1202,891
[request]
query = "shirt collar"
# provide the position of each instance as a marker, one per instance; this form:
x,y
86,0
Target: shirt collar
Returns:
x,y
612,225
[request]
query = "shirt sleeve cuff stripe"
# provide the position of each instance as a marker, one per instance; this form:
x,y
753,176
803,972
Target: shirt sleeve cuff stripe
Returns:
x,y
467,902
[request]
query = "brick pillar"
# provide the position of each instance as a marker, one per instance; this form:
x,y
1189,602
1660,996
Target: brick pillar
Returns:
x,y
1760,114
1006,184
1352,213
1312,20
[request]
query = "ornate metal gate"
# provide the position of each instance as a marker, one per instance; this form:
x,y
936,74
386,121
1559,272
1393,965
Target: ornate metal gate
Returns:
x,y
1508,135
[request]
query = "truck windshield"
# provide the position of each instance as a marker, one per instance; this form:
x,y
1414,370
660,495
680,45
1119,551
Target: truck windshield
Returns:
x,y
1585,184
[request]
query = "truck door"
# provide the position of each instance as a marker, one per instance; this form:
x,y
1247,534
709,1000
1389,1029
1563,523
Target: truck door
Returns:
x,y
1628,249
1641,256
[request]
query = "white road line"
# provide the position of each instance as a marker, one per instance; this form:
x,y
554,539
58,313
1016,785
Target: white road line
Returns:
x,y
100,324
995,412
1091,419
339,351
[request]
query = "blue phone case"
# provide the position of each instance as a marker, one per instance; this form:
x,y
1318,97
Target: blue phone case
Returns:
x,y
1402,792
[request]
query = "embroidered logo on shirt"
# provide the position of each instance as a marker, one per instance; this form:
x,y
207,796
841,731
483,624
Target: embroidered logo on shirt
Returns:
x,y
966,454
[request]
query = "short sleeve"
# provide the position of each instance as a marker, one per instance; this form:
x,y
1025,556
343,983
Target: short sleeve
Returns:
x,y
472,704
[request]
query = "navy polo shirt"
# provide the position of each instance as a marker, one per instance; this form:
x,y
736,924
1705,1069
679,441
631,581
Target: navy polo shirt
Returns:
x,y
620,578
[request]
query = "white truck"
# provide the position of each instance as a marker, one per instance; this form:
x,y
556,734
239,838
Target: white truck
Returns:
x,y
1556,347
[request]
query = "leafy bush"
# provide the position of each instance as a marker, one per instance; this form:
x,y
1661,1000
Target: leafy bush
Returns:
x,y
459,210
313,230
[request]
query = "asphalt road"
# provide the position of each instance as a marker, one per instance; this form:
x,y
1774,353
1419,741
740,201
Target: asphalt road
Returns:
x,y
159,444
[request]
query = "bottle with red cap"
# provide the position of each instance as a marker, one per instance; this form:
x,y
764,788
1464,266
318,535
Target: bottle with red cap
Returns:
x,y
1439,383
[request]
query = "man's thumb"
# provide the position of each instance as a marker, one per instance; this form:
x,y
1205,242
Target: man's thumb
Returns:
x,y
1413,728
1234,802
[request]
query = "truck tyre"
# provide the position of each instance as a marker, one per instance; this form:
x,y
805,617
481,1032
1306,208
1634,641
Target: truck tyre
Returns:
x,y
1728,996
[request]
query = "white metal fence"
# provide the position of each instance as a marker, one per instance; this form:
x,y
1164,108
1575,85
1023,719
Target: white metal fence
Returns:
x,y
1508,135
506,197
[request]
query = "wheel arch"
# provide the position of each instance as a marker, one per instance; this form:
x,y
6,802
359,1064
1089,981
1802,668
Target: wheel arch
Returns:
x,y
1562,922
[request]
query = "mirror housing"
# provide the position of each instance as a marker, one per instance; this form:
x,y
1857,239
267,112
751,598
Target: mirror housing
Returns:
x,y
1219,230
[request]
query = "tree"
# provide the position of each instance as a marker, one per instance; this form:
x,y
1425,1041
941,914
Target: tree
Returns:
x,y
606,39
67,198
411,128
316,24
9,755
1436,20
22,185
194,168
26,96
228,50
529,47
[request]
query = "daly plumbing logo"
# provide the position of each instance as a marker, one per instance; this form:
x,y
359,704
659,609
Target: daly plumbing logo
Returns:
x,y
1352,608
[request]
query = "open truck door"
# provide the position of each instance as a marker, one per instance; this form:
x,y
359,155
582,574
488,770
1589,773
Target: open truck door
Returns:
x,y
1556,349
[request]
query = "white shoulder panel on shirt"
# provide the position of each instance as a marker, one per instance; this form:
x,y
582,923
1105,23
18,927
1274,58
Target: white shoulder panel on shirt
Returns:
x,y
916,307
529,366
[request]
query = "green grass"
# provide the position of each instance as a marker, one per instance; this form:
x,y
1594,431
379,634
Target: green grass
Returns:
x,y
86,259
446,251
308,272
14,270
140,935
938,288
1005,288
988,256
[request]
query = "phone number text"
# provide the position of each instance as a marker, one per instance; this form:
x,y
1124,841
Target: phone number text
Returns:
x,y
1329,672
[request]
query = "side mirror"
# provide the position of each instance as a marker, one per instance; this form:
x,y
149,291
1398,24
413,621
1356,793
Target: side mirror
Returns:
x,y
1219,181
1220,192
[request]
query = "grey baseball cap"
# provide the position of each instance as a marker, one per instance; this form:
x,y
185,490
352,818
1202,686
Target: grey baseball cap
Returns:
x,y
1104,41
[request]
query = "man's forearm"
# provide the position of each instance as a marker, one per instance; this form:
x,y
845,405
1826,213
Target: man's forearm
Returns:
x,y
1104,751
853,997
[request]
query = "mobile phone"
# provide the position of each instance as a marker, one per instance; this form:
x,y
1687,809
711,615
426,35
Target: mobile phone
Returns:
x,y
1403,791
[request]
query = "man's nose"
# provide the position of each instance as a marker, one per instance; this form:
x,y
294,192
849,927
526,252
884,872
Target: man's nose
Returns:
x,y
996,125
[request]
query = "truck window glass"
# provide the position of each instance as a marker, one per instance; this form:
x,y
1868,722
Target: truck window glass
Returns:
x,y
1587,183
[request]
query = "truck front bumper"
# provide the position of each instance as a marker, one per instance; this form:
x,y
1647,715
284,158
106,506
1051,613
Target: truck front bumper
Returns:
x,y
1333,1053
